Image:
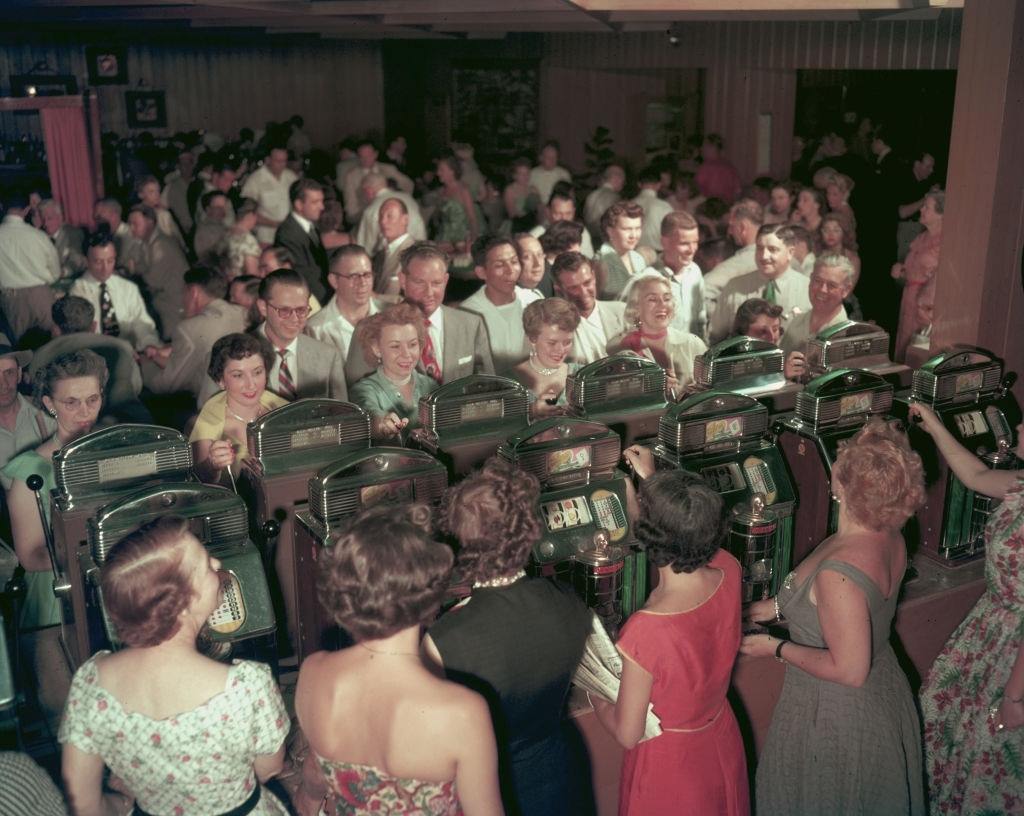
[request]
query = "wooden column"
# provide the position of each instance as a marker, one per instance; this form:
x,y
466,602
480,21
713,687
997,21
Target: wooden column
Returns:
x,y
979,297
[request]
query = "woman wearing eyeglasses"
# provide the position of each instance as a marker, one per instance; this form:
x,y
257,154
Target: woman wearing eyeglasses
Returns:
x,y
70,389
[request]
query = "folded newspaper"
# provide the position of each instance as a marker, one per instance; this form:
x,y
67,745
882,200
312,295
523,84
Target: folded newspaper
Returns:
x,y
600,672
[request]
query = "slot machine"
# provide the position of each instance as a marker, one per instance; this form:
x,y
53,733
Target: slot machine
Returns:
x,y
855,345
746,365
338,491
286,447
723,437
968,392
830,409
583,511
220,520
463,422
626,392
90,472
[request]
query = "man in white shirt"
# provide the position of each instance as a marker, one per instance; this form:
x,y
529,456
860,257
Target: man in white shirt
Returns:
x,y
545,175
745,218
269,187
497,265
612,181
831,282
393,223
351,277
375,192
680,238
119,307
22,425
562,208
774,280
655,209
29,264
367,155
600,320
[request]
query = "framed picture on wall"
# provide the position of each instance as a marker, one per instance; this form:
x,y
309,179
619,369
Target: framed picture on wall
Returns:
x,y
146,109
107,66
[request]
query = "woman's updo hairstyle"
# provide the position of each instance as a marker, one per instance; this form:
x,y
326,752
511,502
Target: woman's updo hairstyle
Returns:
x,y
384,572
682,520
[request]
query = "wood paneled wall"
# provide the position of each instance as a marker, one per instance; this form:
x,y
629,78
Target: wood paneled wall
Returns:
x,y
337,88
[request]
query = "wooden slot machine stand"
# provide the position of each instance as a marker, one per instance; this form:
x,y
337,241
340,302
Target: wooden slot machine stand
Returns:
x,y
338,491
287,446
89,473
463,422
626,392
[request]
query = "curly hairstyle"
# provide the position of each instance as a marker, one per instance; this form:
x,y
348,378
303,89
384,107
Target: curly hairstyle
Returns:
x,y
368,330
750,310
146,585
639,287
384,573
493,514
682,520
67,366
237,347
882,479
620,209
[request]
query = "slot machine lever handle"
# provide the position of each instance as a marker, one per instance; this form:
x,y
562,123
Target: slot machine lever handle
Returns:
x,y
1009,378
61,586
270,529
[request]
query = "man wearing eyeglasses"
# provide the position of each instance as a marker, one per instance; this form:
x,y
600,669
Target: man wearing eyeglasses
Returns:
x,y
831,282
303,367
351,277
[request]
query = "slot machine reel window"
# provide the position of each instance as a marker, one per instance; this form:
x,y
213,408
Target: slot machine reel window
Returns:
x,y
399,490
566,513
853,405
970,423
968,381
624,387
568,460
724,478
723,430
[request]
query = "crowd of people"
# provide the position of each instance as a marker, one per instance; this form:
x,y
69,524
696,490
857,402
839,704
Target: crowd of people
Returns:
x,y
254,274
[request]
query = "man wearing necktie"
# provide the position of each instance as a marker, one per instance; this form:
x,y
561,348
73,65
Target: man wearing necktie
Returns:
x,y
774,280
299,235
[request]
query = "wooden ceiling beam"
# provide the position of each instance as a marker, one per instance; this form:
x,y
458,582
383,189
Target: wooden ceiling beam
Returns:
x,y
684,7
340,8
502,17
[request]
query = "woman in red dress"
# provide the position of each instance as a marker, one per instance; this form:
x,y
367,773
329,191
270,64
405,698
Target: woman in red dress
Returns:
x,y
678,655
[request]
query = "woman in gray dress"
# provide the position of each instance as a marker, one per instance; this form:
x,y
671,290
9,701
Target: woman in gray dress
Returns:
x,y
845,735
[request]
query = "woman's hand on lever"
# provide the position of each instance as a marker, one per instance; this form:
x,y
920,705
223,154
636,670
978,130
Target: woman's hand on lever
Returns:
x,y
640,460
923,415
390,425
222,454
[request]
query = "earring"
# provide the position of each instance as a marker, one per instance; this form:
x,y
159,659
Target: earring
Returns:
x,y
53,412
533,349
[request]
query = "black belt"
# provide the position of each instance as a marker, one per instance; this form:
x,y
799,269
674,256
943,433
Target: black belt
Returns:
x,y
248,806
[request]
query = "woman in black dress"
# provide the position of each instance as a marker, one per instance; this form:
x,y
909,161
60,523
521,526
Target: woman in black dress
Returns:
x,y
516,640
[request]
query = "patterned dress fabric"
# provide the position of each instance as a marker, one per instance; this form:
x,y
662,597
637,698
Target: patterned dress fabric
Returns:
x,y
364,789
834,749
198,762
972,768
697,765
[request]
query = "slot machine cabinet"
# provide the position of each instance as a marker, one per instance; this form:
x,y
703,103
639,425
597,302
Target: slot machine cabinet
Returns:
x,y
220,520
582,506
723,438
337,492
855,345
830,409
286,447
626,392
90,472
968,392
463,422
746,365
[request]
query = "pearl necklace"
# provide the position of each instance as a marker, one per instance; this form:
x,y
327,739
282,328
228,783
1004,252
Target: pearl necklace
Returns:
x,y
397,383
544,372
502,581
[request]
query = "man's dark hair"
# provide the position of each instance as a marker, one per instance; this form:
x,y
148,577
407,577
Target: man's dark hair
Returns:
x,y
299,189
100,237
209,196
483,245
649,175
212,282
560,236
563,190
347,251
286,277
73,314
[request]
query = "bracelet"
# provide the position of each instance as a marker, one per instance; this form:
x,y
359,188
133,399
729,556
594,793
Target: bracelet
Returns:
x,y
778,650
778,612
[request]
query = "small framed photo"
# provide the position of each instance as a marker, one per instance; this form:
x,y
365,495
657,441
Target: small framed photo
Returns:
x,y
107,66
146,109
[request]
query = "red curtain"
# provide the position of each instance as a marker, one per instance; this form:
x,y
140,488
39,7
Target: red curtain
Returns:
x,y
69,163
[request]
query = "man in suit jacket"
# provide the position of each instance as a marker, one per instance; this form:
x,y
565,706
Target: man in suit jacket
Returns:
x,y
298,234
304,367
393,219
161,266
182,365
69,241
600,320
457,341
377,193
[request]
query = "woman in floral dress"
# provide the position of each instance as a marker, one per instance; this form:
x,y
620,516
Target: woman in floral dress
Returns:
x,y
185,734
973,697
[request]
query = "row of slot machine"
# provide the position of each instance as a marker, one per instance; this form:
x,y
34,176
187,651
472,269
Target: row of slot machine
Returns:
x,y
765,444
